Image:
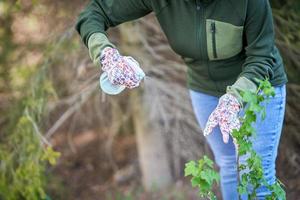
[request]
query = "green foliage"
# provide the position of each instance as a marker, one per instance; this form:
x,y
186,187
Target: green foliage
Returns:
x,y
203,176
50,156
277,191
24,152
251,171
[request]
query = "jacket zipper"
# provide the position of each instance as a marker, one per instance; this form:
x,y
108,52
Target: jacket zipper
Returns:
x,y
198,7
202,33
213,31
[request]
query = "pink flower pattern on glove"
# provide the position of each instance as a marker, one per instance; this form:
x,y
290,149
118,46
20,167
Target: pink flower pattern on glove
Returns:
x,y
121,70
225,115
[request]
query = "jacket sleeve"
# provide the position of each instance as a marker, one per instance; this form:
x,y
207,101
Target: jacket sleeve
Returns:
x,y
260,44
99,15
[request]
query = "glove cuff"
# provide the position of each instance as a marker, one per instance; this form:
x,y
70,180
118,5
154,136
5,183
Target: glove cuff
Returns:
x,y
241,85
97,42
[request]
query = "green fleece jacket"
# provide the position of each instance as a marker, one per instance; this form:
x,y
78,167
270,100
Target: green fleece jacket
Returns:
x,y
223,42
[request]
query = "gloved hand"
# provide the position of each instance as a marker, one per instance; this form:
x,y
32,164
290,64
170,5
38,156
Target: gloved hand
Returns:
x,y
225,115
121,70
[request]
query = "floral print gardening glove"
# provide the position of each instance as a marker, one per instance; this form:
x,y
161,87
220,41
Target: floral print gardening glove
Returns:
x,y
121,70
225,115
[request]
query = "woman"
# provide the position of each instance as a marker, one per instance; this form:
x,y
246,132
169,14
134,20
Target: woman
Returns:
x,y
226,45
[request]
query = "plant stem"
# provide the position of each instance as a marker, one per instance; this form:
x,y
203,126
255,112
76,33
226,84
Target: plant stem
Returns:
x,y
238,170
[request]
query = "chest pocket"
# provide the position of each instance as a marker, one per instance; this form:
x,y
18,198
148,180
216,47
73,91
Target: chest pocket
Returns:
x,y
224,40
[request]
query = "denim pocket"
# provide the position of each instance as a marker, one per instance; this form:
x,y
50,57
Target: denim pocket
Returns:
x,y
224,40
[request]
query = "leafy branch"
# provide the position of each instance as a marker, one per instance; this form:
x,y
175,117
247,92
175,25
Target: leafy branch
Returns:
x,y
250,172
203,176
24,152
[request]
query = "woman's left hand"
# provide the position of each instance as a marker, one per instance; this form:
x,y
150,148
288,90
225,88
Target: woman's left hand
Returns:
x,y
225,115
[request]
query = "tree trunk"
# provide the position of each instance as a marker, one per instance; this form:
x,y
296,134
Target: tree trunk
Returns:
x,y
152,151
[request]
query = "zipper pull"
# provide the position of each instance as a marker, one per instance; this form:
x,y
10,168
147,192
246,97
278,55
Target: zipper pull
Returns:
x,y
213,27
198,5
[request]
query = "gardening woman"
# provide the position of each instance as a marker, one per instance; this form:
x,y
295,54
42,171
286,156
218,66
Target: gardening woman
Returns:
x,y
227,46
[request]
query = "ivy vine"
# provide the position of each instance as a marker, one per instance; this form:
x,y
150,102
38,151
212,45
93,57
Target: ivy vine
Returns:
x,y
250,172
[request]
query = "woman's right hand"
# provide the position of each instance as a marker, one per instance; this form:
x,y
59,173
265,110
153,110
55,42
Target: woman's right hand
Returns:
x,y
121,70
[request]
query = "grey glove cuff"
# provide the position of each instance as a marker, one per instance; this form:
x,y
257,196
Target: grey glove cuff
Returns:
x,y
242,84
96,43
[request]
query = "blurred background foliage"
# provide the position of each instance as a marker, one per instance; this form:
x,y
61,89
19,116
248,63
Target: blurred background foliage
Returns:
x,y
49,97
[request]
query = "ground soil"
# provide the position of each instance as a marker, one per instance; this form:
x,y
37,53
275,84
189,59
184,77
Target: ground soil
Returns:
x,y
87,172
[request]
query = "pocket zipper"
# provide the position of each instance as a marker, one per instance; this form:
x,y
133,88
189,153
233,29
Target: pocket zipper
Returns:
x,y
213,31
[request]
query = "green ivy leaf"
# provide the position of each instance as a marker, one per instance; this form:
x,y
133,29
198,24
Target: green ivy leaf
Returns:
x,y
242,189
249,97
255,107
208,161
190,169
244,147
251,116
195,181
242,167
204,186
235,133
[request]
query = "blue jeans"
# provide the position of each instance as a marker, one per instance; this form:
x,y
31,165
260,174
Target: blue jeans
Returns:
x,y
265,144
